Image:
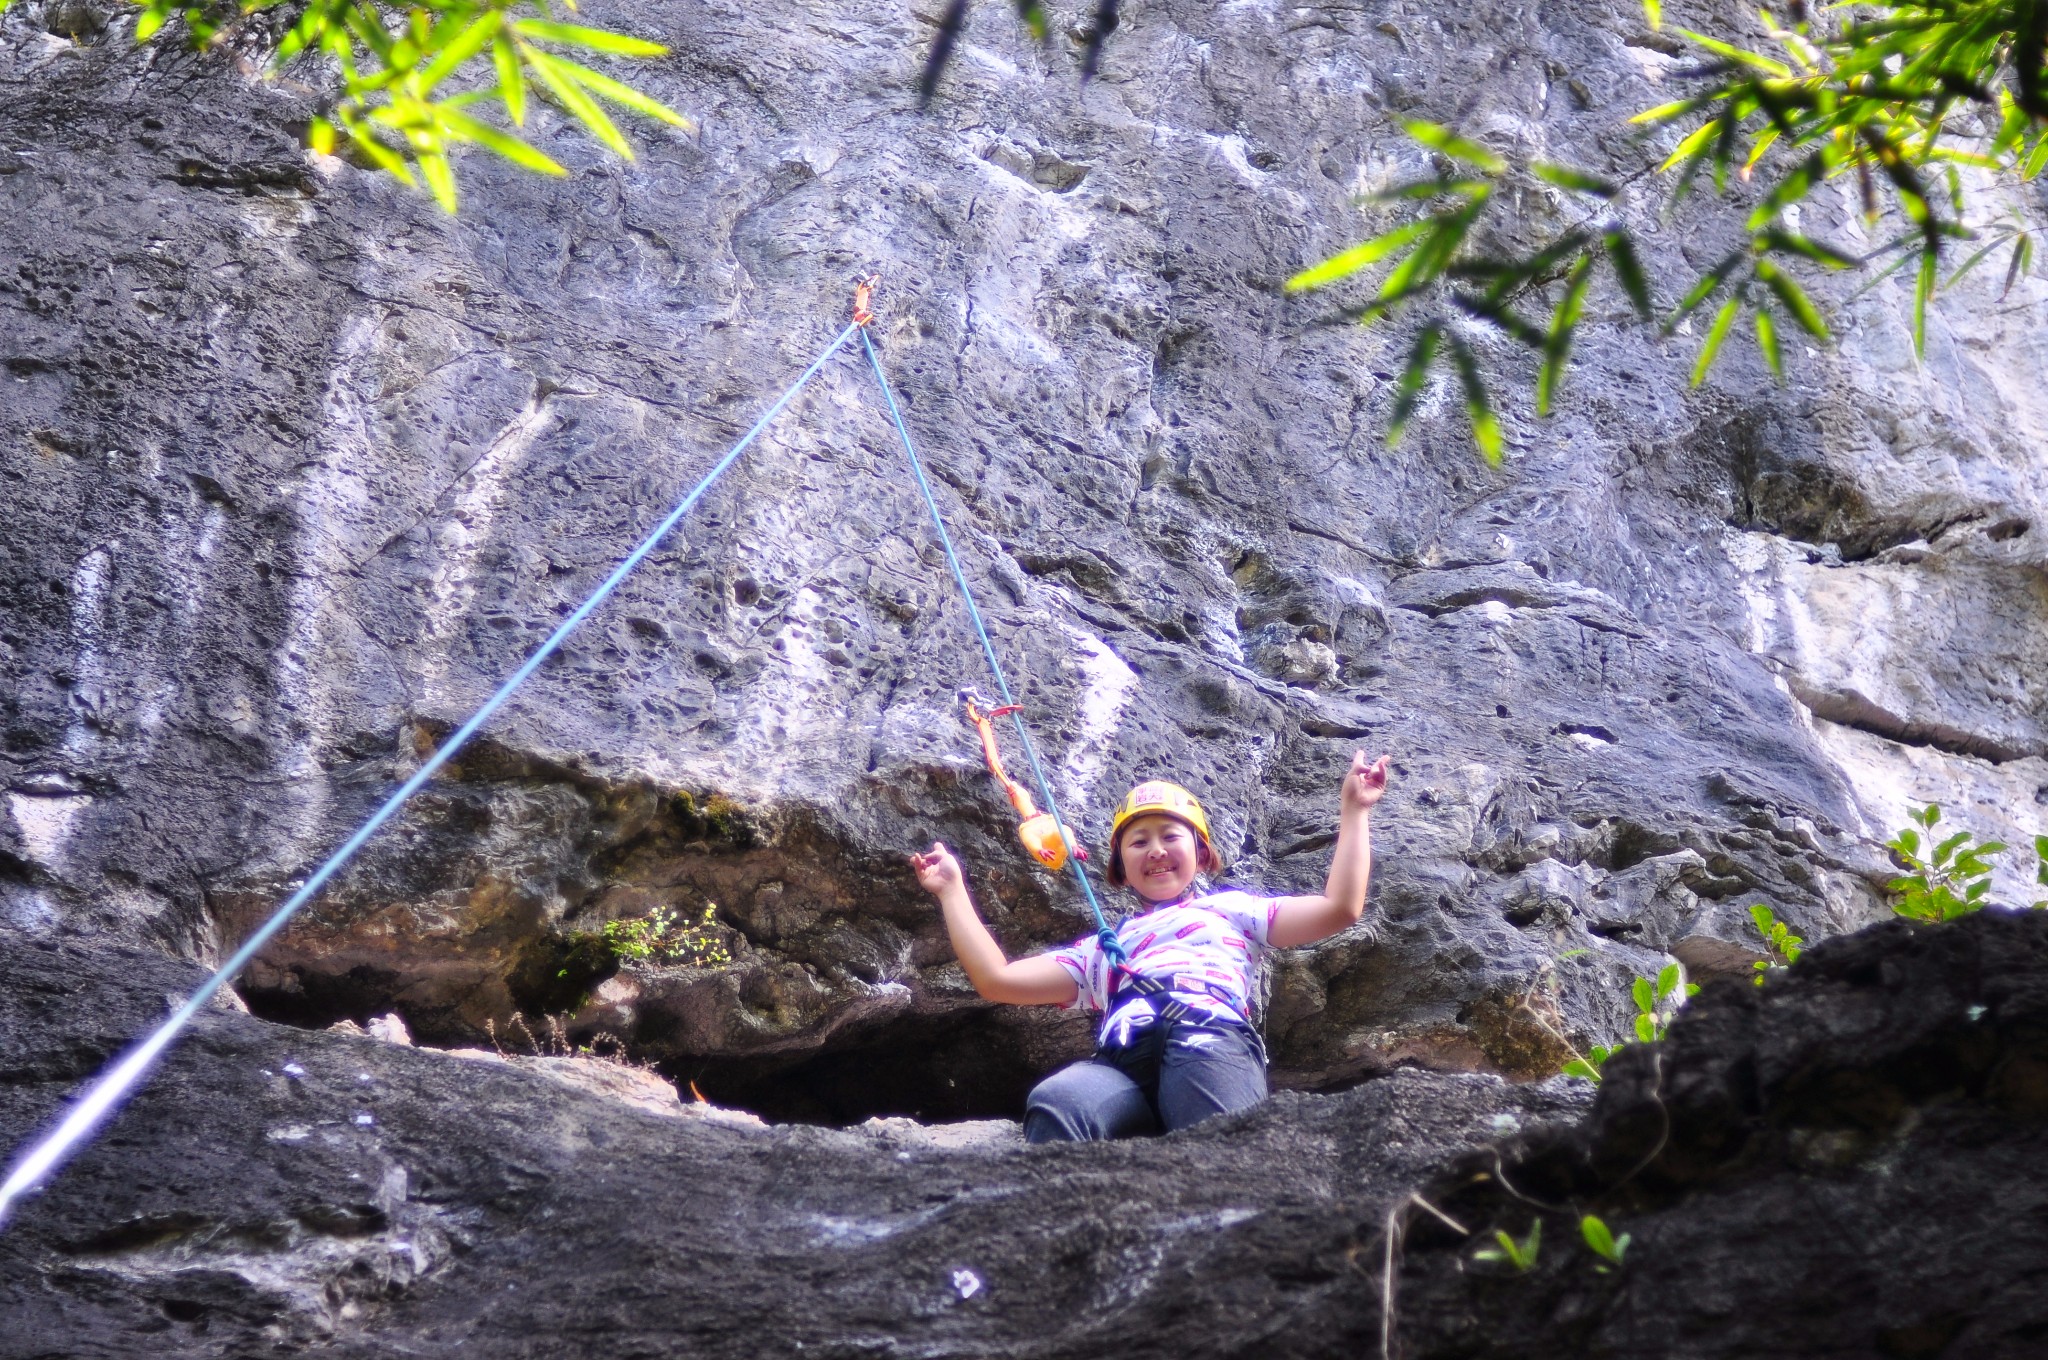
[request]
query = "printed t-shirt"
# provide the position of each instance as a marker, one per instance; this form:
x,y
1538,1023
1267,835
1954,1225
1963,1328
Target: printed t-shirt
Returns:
x,y
1205,945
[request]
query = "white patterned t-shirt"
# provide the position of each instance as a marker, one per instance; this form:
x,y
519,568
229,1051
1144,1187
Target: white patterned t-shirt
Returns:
x,y
1208,946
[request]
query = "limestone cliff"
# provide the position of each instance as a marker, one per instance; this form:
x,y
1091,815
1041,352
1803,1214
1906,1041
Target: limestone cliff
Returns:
x,y
297,468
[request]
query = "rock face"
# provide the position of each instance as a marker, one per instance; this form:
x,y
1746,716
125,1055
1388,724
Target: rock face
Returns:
x,y
298,468
1844,1162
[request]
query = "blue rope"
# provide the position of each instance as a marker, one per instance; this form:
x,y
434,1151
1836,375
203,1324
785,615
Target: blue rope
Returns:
x,y
107,1093
1112,948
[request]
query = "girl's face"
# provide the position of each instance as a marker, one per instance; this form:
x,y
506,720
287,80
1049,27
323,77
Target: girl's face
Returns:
x,y
1161,855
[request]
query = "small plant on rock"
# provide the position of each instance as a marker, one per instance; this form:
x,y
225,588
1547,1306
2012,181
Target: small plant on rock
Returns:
x,y
2041,869
1951,881
1657,1001
661,937
1604,1243
1783,946
1521,1255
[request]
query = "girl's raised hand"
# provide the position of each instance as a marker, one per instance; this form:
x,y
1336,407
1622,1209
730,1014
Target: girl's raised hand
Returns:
x,y
1365,785
936,869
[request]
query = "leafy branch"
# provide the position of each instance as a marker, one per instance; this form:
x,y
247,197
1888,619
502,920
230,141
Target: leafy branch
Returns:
x,y
1658,1001
1901,96
410,87
1441,269
1904,99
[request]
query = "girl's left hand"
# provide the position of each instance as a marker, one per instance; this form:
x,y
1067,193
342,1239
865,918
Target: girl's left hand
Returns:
x,y
1365,785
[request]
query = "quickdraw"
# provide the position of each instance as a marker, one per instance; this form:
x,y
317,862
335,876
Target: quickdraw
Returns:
x,y
1043,834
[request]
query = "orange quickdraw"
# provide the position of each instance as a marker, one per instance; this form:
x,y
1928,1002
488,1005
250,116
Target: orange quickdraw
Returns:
x,y
1046,839
864,299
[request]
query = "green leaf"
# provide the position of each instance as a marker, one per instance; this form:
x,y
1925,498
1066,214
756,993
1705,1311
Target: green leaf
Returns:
x,y
468,129
624,95
596,39
1564,323
511,80
1565,177
1602,1240
1629,270
152,20
2022,252
1923,288
2036,161
1646,1028
1451,144
440,179
553,74
1667,980
1692,146
1705,287
1579,1067
1740,55
1794,244
1645,994
1358,257
1409,389
1423,188
464,46
1486,431
1764,917
1950,846
1715,335
1767,344
320,136
1654,12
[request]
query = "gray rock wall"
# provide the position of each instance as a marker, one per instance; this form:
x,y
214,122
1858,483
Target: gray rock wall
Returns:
x,y
297,469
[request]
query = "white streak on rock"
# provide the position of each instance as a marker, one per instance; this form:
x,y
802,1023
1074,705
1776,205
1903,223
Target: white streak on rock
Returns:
x,y
1110,683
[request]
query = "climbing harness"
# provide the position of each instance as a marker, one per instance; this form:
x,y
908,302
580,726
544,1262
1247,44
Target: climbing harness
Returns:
x,y
1048,836
1044,837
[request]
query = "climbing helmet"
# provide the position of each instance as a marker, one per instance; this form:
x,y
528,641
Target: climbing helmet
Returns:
x,y
1158,796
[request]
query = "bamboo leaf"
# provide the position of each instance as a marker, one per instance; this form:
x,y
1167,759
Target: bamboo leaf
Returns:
x,y
579,104
596,39
320,136
1358,257
1564,324
1409,389
1767,343
1654,12
1565,177
151,21
1621,252
464,46
511,79
1486,431
1708,284
1972,263
440,179
1923,288
2022,253
1793,243
1692,146
1451,144
1421,188
1740,55
1794,299
623,95
468,129
1715,335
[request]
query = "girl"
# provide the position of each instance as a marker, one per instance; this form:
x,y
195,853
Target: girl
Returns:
x,y
1176,1043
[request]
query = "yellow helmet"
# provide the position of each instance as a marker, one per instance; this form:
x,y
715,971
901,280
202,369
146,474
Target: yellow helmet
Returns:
x,y
1158,797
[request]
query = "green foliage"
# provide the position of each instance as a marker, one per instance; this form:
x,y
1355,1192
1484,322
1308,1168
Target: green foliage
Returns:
x,y
660,937
1604,1243
1521,1255
1950,881
413,78
1438,270
2041,870
1658,1000
1902,96
1780,943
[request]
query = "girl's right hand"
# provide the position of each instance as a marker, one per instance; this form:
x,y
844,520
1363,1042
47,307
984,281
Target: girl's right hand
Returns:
x,y
936,869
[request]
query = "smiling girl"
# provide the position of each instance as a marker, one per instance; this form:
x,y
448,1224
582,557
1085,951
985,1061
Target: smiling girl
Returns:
x,y
1176,1043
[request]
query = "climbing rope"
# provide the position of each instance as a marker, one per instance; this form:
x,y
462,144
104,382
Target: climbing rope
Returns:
x,y
1112,948
108,1092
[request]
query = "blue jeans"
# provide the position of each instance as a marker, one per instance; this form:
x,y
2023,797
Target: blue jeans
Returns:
x,y
1199,1071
